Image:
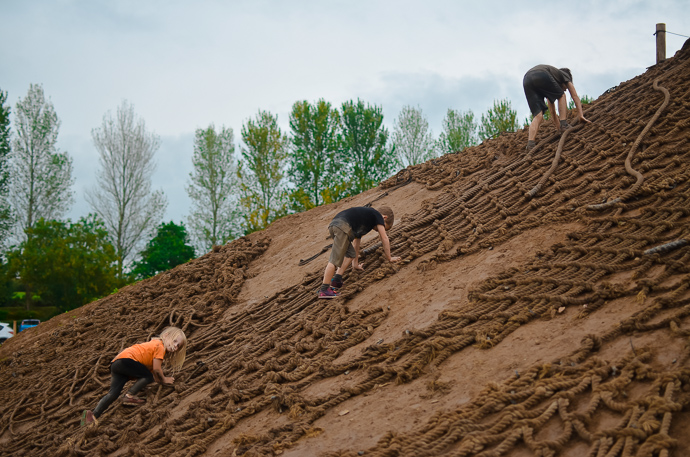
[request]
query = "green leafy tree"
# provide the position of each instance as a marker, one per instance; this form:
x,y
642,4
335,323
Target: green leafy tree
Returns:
x,y
66,264
214,188
585,100
6,289
314,143
123,198
412,139
40,175
459,132
498,119
168,249
261,171
364,154
5,215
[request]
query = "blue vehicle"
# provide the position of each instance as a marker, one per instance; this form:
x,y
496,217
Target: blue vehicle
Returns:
x,y
28,323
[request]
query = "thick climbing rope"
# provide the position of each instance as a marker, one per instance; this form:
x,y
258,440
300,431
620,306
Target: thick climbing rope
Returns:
x,y
667,247
554,165
628,160
303,262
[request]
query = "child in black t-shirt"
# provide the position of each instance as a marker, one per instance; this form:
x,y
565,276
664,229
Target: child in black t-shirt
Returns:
x,y
347,228
546,81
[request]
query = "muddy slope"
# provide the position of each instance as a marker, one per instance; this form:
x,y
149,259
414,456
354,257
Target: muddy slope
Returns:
x,y
542,308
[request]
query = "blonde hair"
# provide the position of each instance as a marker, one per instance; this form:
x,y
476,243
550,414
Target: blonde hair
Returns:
x,y
177,357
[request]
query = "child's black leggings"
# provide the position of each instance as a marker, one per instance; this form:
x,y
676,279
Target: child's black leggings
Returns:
x,y
121,371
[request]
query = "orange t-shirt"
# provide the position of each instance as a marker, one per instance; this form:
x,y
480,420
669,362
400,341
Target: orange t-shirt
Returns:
x,y
144,353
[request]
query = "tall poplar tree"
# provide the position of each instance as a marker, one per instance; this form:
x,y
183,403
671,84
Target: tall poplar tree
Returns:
x,y
364,154
501,117
40,175
5,215
261,171
123,197
412,138
313,154
214,189
459,132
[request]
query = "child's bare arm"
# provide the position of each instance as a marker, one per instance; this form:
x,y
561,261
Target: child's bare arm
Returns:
x,y
355,262
578,103
158,374
386,243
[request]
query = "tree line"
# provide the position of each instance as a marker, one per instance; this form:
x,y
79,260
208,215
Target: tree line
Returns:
x,y
329,153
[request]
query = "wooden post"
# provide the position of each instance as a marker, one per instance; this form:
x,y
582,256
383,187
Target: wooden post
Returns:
x,y
660,42
14,327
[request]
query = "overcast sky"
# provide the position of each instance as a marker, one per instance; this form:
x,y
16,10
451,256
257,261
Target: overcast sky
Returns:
x,y
186,65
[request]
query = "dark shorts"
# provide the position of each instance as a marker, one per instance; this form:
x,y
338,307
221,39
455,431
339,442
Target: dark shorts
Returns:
x,y
342,242
539,85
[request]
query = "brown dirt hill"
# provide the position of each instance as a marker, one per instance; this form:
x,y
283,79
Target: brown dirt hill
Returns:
x,y
555,323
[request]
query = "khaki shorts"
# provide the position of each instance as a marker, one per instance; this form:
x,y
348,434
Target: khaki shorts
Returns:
x,y
342,245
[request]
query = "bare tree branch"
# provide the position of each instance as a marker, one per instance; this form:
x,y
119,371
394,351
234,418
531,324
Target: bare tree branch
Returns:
x,y
123,196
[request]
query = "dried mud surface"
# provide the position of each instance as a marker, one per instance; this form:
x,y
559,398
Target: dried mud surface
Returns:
x,y
542,309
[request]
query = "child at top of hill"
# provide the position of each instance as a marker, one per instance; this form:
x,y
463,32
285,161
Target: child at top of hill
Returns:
x,y
545,81
347,228
142,362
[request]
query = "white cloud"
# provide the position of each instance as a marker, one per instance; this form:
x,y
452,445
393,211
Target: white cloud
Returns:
x,y
185,65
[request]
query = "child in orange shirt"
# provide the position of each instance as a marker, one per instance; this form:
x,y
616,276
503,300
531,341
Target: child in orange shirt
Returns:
x,y
143,363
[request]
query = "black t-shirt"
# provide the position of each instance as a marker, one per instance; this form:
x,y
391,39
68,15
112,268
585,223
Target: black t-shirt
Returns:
x,y
560,77
361,219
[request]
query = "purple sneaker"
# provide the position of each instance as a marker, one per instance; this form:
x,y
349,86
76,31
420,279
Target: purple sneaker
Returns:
x,y
336,283
87,417
328,293
131,400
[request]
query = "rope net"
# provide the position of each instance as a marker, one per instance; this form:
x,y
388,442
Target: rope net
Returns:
x,y
244,359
